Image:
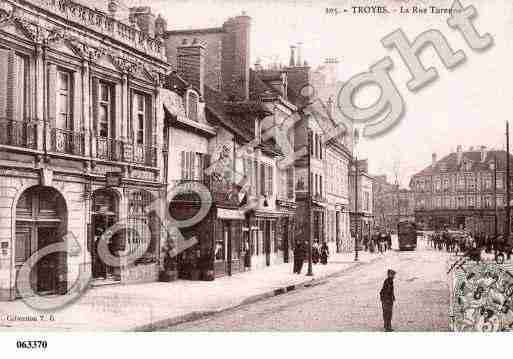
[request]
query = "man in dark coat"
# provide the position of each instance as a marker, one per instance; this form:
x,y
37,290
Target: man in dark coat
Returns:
x,y
299,256
387,300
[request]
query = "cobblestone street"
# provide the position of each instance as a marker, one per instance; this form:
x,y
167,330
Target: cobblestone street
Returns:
x,y
350,302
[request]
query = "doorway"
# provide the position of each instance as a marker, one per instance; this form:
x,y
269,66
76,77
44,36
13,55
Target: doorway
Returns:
x,y
104,216
41,220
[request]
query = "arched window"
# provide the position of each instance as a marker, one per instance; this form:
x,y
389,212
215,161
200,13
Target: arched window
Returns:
x,y
192,106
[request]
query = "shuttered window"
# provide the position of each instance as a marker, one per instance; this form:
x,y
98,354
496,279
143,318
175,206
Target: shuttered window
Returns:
x,y
193,165
192,110
63,97
105,109
266,179
13,85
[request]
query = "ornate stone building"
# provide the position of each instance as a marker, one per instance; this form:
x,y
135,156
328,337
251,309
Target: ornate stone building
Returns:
x,y
458,191
81,125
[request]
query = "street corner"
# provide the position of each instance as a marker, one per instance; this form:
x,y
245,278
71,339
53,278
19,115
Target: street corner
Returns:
x,y
481,296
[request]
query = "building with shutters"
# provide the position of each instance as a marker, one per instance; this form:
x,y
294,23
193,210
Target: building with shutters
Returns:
x,y
244,170
81,126
457,191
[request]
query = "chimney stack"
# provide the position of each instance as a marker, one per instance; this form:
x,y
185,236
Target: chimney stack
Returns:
x,y
191,63
299,61
433,158
483,153
236,56
292,61
459,154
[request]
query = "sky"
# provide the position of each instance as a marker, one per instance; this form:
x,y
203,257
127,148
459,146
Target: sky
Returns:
x,y
466,106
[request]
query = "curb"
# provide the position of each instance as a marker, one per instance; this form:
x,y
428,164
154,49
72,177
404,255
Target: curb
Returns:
x,y
189,317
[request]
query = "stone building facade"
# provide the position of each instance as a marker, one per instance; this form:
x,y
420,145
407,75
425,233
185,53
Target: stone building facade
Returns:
x,y
391,204
362,215
80,143
458,192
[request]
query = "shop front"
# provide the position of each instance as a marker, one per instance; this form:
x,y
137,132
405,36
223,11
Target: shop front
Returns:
x,y
228,246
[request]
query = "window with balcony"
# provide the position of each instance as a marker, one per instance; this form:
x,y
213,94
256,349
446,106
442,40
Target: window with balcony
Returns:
x,y
446,184
64,120
139,118
15,128
105,110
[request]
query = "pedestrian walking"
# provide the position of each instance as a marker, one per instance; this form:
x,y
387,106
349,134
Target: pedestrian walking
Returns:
x,y
388,239
325,253
299,257
387,298
315,252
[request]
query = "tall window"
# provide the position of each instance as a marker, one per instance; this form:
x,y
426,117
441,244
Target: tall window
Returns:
x,y
64,117
192,165
488,181
267,179
290,182
139,117
471,183
192,110
471,201
105,110
499,182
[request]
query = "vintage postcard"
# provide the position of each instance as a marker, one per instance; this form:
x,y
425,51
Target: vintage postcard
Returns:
x,y
255,166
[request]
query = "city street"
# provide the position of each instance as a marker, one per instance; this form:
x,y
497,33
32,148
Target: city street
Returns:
x,y
350,302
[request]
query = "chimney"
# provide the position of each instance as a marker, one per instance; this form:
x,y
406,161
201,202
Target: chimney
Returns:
x,y
299,54
433,158
459,154
236,56
483,153
191,63
292,61
144,18
160,26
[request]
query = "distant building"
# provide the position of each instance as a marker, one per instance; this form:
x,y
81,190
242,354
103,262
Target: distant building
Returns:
x,y
458,191
391,204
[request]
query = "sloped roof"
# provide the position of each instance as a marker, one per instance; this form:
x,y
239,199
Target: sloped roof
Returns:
x,y
450,162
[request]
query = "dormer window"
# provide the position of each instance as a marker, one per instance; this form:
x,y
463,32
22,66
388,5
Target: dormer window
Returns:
x,y
192,106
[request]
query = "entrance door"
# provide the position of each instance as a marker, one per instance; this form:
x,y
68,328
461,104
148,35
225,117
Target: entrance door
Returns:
x,y
47,267
101,223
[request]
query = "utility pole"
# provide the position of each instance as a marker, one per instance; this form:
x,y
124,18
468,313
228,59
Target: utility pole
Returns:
x,y
508,225
356,208
495,197
309,204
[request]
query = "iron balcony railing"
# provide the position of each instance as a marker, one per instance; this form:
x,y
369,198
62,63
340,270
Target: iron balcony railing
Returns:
x,y
67,141
18,133
117,150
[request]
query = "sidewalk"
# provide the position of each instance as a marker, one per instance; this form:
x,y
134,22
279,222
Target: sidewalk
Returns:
x,y
157,305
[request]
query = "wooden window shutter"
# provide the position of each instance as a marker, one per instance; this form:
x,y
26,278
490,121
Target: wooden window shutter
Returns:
x,y
262,180
182,161
4,87
52,94
206,164
76,94
95,96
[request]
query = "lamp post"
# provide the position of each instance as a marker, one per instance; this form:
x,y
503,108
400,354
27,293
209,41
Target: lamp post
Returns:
x,y
356,208
494,165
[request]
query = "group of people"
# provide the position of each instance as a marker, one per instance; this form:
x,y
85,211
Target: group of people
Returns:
x,y
453,243
320,253
380,241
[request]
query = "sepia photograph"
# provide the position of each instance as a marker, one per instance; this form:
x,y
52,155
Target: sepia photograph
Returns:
x,y
294,166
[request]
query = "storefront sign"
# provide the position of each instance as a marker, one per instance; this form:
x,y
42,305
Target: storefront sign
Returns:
x,y
113,179
229,214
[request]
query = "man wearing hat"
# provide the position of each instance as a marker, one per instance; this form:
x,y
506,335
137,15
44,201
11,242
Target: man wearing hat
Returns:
x,y
387,300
